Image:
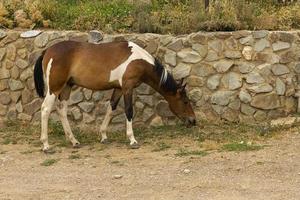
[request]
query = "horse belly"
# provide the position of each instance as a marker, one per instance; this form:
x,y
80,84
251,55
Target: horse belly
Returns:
x,y
94,80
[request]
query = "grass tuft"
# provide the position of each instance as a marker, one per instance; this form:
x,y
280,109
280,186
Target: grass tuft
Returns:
x,y
74,156
49,162
161,146
238,147
185,152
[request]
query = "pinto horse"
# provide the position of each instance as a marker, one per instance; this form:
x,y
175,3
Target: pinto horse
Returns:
x,y
121,66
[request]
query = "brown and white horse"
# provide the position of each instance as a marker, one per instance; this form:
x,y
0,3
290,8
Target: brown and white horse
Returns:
x,y
121,66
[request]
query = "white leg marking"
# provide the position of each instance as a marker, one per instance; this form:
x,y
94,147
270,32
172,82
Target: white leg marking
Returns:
x,y
129,132
136,53
62,112
45,112
105,122
46,109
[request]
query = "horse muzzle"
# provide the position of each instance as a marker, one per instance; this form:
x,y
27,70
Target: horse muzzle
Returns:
x,y
190,121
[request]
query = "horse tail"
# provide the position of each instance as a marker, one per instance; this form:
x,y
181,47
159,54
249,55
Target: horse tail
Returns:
x,y
39,76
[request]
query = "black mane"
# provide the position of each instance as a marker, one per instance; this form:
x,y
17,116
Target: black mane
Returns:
x,y
169,84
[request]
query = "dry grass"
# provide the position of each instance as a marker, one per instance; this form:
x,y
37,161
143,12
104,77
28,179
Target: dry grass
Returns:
x,y
158,16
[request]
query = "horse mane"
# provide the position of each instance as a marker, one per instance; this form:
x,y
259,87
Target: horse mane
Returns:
x,y
167,81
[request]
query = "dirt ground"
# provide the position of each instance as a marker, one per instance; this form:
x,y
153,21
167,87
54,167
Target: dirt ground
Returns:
x,y
114,171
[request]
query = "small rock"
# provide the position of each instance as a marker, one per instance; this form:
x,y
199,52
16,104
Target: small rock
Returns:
x,y
232,81
31,33
222,97
76,97
244,96
259,34
186,171
266,101
247,40
202,70
201,49
232,54
76,113
254,77
95,36
189,56
86,106
280,86
5,98
182,70
22,64
212,56
170,58
213,81
216,45
261,88
245,68
247,52
15,84
279,69
223,65
176,45
156,121
277,46
195,95
260,45
4,73
117,176
2,34
41,40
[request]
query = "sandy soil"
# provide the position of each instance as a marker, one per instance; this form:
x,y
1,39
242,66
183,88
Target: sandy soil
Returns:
x,y
270,173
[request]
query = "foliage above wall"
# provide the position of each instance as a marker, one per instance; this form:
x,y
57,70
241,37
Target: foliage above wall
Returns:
x,y
157,16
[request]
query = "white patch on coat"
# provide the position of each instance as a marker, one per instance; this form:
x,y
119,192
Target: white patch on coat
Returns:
x,y
163,77
129,132
46,109
136,53
49,66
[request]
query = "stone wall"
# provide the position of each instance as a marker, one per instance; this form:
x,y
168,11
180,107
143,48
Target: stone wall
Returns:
x,y
238,76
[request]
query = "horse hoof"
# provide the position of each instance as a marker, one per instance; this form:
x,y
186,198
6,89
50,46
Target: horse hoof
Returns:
x,y
77,145
105,141
48,151
134,146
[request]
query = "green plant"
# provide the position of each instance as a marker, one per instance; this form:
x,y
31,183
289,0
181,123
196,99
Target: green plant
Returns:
x,y
241,147
49,162
185,152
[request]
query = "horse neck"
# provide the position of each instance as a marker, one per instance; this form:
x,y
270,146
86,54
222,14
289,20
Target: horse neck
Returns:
x,y
153,80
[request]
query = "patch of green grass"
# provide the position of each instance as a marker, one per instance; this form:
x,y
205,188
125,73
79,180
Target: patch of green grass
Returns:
x,y
6,141
241,147
49,162
185,152
161,146
74,156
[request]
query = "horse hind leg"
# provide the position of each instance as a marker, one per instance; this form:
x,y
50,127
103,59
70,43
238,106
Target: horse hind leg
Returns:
x,y
45,112
115,98
61,109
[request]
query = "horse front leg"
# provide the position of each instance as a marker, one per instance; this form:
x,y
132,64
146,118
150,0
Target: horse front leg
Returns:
x,y
115,98
129,115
